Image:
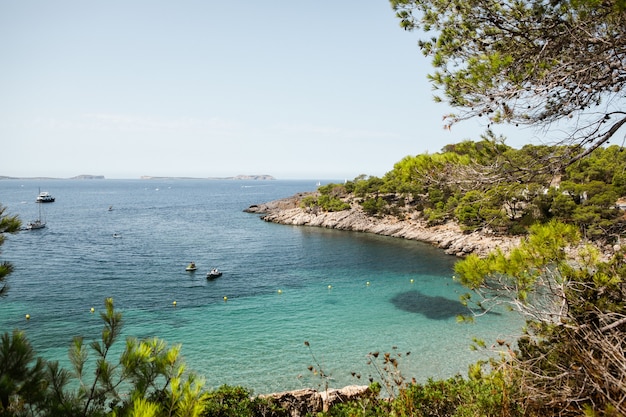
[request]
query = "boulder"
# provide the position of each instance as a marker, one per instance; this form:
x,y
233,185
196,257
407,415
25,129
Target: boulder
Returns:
x,y
301,402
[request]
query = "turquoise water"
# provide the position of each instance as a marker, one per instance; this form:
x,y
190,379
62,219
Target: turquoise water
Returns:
x,y
345,293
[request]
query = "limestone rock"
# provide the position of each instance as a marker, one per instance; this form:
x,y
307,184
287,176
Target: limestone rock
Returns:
x,y
297,403
449,236
301,402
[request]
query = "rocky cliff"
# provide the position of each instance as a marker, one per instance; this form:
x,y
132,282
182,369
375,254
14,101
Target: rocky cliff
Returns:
x,y
448,237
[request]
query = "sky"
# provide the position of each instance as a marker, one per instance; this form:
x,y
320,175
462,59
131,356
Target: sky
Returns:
x,y
325,89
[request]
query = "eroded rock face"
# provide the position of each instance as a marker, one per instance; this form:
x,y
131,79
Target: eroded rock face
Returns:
x,y
448,237
309,401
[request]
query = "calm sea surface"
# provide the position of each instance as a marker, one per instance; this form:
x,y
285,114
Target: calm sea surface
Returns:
x,y
345,293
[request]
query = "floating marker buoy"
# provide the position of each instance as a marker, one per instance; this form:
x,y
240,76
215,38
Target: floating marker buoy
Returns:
x,y
280,291
28,317
330,286
367,283
92,309
174,303
225,298
412,280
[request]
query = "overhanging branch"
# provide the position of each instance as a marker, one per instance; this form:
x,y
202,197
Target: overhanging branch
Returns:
x,y
605,138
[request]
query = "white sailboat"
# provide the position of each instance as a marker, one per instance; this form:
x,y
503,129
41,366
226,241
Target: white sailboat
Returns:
x,y
39,223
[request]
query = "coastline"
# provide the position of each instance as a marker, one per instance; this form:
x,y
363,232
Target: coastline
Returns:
x,y
448,237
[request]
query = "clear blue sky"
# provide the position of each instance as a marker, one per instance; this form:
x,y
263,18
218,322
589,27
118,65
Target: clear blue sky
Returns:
x,y
325,89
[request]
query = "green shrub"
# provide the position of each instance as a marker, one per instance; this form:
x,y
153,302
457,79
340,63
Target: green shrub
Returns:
x,y
236,401
325,202
374,206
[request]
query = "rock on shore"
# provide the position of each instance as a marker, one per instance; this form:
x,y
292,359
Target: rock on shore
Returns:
x,y
304,402
448,236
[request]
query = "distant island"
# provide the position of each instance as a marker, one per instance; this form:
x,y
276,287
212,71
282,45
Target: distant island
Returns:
x,y
147,177
238,177
78,177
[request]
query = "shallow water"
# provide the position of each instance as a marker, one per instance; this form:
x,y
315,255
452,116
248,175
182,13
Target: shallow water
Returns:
x,y
345,293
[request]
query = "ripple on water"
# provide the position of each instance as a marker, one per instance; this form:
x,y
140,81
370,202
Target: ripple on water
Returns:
x,y
348,294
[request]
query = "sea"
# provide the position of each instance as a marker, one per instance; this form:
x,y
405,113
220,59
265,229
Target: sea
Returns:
x,y
296,306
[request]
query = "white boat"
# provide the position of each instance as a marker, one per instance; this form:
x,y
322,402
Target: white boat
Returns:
x,y
44,197
214,273
36,224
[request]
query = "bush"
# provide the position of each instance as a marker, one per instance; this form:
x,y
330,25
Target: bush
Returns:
x,y
325,202
374,206
229,401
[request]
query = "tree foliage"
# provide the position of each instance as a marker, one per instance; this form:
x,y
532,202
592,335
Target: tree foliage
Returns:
x,y
488,185
327,199
572,355
148,379
22,375
533,62
8,224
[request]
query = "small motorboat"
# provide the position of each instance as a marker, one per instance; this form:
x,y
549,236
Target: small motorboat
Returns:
x,y
191,267
214,273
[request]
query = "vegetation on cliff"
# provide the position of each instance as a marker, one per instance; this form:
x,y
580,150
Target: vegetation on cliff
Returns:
x,y
488,185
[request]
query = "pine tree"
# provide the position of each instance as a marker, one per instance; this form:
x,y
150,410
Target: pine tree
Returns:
x,y
8,224
538,63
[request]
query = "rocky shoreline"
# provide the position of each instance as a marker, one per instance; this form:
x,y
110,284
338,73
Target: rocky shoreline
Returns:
x,y
448,237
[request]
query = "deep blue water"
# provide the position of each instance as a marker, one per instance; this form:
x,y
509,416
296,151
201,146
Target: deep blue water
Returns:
x,y
345,293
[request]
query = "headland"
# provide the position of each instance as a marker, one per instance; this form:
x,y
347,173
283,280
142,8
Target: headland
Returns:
x,y
448,236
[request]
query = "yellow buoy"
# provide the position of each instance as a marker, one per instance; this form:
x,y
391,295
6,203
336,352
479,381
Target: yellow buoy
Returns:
x,y
367,283
92,309
225,298
174,303
28,317
280,291
330,286
412,280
